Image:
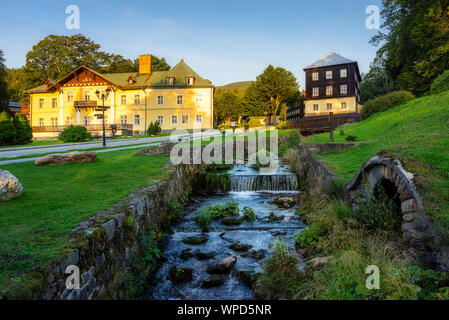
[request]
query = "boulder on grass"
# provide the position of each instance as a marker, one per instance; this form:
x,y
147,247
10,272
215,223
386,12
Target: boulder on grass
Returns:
x,y
65,158
10,187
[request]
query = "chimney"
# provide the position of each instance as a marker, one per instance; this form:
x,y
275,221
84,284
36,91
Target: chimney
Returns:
x,y
145,64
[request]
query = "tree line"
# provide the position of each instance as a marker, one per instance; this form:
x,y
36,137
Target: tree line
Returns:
x,y
274,90
413,48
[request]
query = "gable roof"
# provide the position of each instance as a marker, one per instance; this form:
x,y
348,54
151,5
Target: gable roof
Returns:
x,y
121,80
330,59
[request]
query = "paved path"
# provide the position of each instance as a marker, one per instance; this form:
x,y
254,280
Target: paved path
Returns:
x,y
131,143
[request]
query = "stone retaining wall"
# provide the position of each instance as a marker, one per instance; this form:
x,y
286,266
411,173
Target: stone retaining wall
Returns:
x,y
111,240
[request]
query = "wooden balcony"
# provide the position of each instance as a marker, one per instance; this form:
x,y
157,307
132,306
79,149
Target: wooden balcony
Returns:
x,y
317,124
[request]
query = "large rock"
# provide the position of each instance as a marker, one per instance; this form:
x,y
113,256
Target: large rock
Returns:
x,y
285,202
10,187
181,274
65,158
163,149
222,266
195,240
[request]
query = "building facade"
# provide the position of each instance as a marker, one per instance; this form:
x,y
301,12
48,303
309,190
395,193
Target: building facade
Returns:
x,y
332,85
178,99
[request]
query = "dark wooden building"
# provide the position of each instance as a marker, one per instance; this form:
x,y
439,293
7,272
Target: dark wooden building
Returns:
x,y
332,85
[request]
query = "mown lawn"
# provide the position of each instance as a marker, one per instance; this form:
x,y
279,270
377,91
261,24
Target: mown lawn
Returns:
x,y
35,227
417,133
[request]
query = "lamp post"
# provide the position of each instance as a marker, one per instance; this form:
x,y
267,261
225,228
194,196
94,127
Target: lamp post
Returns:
x,y
103,95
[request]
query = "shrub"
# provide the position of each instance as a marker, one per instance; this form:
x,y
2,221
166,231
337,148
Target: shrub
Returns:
x,y
255,122
441,83
385,102
4,116
351,138
206,214
75,134
290,158
310,236
154,128
282,279
204,218
282,126
378,213
342,133
7,133
249,214
24,133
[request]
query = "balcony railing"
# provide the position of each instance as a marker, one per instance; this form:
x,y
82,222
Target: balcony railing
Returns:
x,y
89,127
321,123
85,104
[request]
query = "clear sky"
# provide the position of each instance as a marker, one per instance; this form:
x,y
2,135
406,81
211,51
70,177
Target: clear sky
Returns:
x,y
224,41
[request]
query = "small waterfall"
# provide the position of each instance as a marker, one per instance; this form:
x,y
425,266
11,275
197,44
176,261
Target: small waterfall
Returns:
x,y
276,182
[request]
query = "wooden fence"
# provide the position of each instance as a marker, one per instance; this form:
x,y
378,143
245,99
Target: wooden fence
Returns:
x,y
314,124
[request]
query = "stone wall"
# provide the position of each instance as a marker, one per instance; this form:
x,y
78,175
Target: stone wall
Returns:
x,y
312,172
111,240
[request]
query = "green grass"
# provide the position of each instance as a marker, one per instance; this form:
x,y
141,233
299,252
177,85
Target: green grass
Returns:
x,y
417,133
35,227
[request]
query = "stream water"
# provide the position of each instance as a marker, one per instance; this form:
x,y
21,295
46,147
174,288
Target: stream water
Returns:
x,y
249,188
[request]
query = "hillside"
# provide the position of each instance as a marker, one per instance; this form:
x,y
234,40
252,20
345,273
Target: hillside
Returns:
x,y
417,133
239,86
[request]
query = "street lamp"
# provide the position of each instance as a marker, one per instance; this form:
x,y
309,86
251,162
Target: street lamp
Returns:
x,y
103,95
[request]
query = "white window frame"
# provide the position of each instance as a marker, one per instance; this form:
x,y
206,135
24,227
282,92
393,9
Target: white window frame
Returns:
x,y
174,116
343,73
121,100
43,103
160,100
54,122
345,87
329,90
70,96
190,81
68,121
329,75
137,97
182,118
315,76
329,106
53,104
86,120
160,116
198,99
137,119
41,122
123,119
200,117
177,101
344,105
316,107
316,92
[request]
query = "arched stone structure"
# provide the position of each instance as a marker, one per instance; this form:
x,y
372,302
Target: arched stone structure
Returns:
x,y
416,227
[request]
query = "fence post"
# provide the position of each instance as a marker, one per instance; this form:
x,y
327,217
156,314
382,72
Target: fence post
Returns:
x,y
331,125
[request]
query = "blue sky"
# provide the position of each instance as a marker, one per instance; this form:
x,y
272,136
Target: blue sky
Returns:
x,y
224,41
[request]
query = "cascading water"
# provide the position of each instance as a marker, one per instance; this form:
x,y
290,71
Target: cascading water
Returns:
x,y
245,178
250,189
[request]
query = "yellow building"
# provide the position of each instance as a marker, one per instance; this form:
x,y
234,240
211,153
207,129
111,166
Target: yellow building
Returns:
x,y
178,99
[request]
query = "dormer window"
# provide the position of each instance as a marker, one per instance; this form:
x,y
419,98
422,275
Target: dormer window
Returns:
x,y
170,81
190,81
131,80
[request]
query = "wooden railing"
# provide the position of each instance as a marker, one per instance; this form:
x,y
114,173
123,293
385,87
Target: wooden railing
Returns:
x,y
321,123
90,127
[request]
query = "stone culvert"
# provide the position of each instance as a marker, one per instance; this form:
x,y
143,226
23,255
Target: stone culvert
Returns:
x,y
417,228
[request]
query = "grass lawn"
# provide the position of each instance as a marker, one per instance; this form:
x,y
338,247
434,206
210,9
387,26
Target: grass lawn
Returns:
x,y
35,227
417,133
